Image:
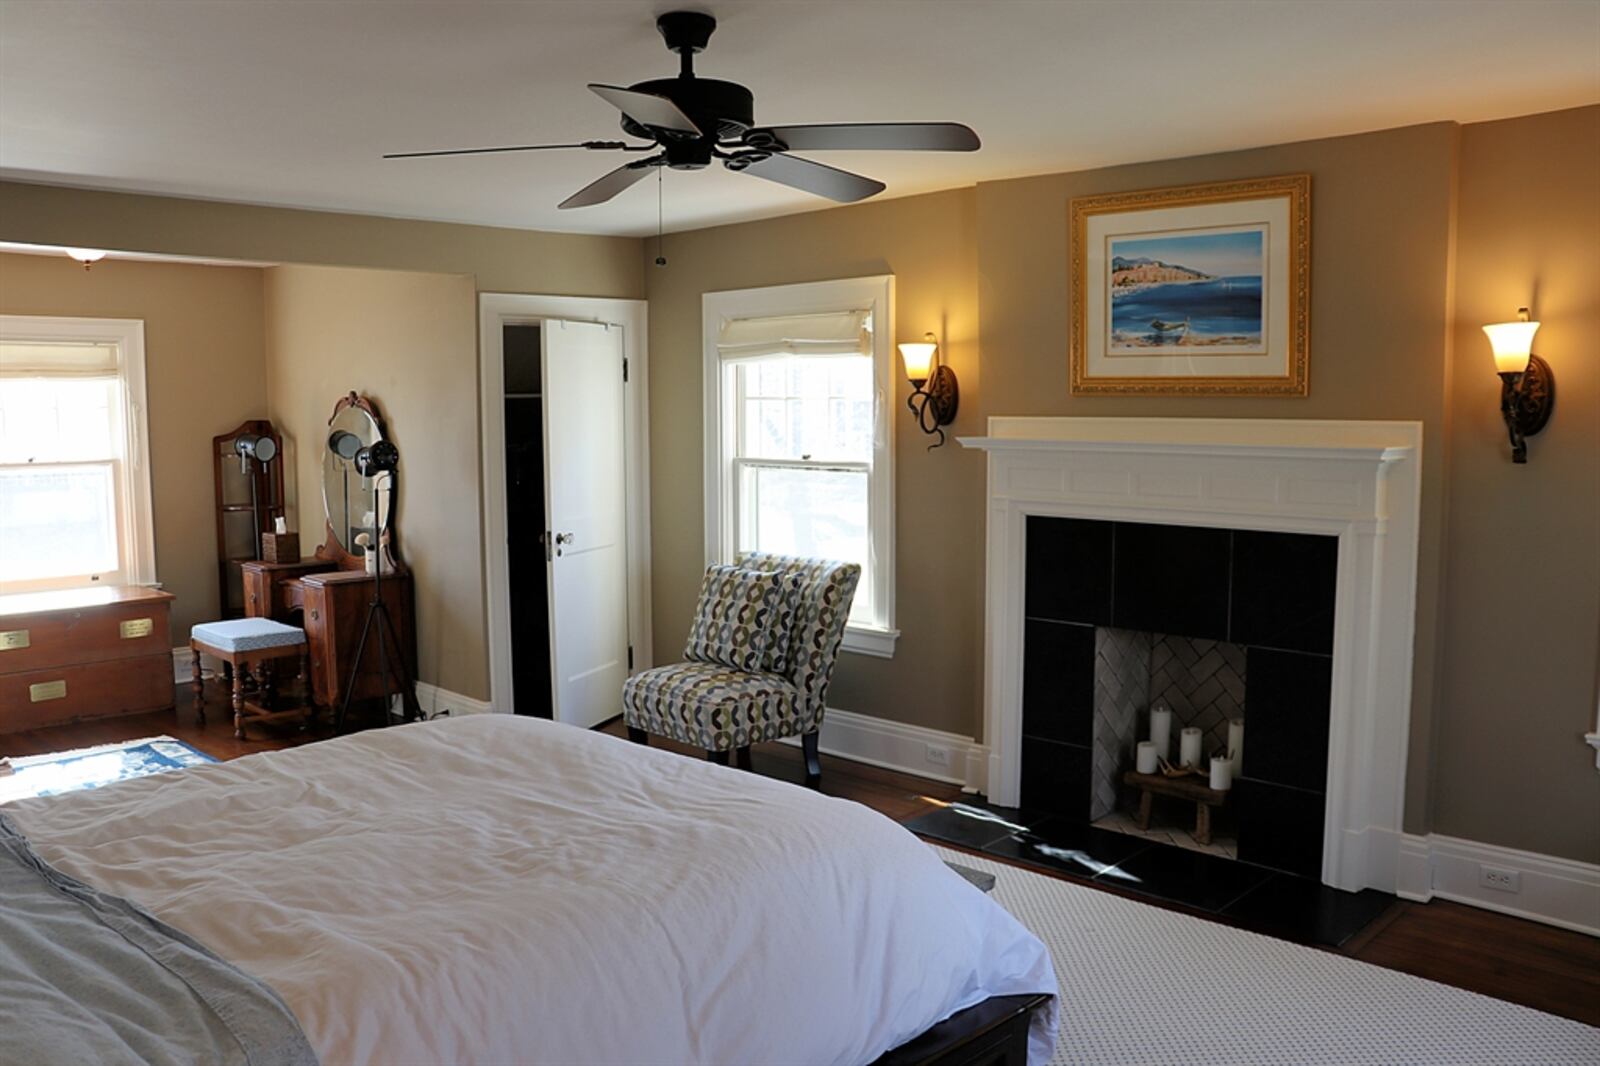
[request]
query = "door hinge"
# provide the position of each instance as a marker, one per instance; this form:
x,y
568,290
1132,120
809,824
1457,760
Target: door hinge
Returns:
x,y
630,656
624,369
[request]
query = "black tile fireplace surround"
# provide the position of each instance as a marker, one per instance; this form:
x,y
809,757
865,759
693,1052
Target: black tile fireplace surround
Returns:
x,y
1272,593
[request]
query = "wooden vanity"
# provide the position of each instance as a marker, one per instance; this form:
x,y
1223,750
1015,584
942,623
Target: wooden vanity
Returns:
x,y
328,596
84,653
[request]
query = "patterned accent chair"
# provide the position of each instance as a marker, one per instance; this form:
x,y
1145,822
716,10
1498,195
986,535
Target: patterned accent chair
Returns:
x,y
722,709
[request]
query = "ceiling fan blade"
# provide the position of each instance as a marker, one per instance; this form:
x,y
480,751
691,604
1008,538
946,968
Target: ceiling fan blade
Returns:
x,y
647,109
593,146
809,176
605,187
872,136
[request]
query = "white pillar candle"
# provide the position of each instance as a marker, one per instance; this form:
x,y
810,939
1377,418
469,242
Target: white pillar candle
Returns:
x,y
1189,747
1145,759
1236,745
1221,775
1161,729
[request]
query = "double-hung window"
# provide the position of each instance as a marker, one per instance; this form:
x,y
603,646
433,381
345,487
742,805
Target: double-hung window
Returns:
x,y
74,482
798,443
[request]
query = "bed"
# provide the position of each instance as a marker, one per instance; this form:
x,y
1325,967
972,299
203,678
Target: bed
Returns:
x,y
502,889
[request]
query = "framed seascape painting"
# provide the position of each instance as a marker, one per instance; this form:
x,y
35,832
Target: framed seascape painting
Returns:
x,y
1199,290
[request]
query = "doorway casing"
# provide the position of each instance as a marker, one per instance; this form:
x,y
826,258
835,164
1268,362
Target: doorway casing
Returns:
x,y
497,310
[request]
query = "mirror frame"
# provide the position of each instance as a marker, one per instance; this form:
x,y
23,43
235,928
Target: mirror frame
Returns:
x,y
331,549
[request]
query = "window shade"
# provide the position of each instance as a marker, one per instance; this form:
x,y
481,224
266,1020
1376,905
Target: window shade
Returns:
x,y
22,359
833,333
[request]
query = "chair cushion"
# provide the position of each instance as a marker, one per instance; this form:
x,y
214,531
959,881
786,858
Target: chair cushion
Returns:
x,y
713,707
247,634
743,619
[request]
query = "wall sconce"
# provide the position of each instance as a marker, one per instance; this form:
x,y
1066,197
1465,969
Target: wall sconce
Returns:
x,y
934,405
1527,385
87,256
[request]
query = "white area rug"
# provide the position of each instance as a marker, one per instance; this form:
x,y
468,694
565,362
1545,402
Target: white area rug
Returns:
x,y
1142,985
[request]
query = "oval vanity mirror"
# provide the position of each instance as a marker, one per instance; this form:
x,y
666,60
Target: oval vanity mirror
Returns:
x,y
355,505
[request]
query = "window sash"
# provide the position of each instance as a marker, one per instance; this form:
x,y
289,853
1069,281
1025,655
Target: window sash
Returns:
x,y
117,573
724,432
86,347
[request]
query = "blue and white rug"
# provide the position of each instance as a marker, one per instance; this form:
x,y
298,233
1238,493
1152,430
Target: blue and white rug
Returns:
x,y
68,771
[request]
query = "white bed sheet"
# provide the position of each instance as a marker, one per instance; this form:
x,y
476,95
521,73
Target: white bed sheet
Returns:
x,y
496,889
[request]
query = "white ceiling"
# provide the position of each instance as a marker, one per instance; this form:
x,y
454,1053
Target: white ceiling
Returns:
x,y
293,103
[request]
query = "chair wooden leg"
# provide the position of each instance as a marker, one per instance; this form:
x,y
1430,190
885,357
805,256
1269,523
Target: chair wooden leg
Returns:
x,y
199,686
718,757
638,736
741,757
808,742
238,703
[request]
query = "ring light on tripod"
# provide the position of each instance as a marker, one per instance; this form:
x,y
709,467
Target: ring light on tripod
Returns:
x,y
249,446
344,444
377,458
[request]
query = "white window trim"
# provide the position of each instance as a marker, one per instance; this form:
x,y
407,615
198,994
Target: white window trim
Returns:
x,y
875,294
138,522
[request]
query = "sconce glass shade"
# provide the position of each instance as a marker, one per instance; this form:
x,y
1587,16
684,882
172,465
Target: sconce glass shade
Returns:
x,y
918,358
1512,342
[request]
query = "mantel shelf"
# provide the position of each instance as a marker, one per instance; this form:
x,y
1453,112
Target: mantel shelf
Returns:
x,y
1379,442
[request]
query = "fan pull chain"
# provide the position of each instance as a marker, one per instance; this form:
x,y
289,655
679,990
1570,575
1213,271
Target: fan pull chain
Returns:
x,y
661,260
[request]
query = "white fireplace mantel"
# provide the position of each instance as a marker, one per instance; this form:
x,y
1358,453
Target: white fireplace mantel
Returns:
x,y
1356,480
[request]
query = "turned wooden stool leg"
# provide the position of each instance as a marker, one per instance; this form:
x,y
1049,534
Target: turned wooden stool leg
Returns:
x,y
199,686
305,684
238,703
1202,823
1147,801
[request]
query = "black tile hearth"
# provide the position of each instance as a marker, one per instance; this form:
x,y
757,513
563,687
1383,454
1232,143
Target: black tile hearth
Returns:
x,y
1069,570
1286,707
1279,827
1171,579
1068,846
1192,878
1058,682
1300,909
972,823
1283,590
1056,777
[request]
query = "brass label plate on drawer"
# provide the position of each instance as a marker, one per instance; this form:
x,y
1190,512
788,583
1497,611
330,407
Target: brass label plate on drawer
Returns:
x,y
12,639
47,690
136,627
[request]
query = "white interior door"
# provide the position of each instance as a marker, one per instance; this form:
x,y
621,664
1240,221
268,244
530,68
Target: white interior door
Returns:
x,y
586,510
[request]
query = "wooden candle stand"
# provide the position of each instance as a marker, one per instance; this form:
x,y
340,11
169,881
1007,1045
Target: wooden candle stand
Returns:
x,y
1185,787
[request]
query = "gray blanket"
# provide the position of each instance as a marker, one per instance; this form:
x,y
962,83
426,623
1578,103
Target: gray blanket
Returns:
x,y
89,977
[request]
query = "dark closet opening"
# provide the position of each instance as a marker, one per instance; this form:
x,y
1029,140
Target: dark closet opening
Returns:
x,y
530,598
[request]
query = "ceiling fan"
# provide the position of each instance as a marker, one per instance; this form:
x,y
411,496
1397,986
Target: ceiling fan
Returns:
x,y
695,120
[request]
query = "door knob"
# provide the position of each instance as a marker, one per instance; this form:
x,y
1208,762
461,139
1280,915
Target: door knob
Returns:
x,y
562,538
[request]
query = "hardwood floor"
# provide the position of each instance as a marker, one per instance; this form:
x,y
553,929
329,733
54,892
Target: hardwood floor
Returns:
x,y
1509,958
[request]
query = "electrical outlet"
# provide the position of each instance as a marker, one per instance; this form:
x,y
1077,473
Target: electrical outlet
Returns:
x,y
1498,877
938,756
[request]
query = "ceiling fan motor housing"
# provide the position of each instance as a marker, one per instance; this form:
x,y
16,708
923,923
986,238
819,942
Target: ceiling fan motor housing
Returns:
x,y
722,108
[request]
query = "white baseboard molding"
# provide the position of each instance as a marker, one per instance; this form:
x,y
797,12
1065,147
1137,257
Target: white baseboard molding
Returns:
x,y
910,749
1559,892
434,699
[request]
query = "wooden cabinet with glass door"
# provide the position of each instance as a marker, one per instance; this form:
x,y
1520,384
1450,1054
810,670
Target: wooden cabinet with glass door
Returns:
x,y
248,475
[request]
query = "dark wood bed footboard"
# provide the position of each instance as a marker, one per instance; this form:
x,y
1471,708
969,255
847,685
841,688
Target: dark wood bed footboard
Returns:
x,y
991,1033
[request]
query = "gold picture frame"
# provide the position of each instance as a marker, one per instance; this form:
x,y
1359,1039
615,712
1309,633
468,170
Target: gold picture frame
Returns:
x,y
1232,258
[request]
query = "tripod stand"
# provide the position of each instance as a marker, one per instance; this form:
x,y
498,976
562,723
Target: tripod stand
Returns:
x,y
378,621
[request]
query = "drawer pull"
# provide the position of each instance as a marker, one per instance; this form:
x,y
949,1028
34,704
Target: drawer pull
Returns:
x,y
13,639
47,690
134,628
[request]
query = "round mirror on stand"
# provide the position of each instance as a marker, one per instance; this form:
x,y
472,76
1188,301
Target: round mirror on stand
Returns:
x,y
359,509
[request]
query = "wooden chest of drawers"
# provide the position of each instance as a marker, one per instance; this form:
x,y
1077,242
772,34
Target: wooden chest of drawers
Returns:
x,y
83,653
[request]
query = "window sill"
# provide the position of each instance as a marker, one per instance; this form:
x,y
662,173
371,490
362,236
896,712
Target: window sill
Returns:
x,y
869,640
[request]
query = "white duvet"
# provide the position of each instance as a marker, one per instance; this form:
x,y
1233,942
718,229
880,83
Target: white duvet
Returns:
x,y
496,889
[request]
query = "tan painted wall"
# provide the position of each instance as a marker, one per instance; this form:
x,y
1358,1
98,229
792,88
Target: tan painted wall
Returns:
x,y
1522,611
408,341
502,260
204,374
929,244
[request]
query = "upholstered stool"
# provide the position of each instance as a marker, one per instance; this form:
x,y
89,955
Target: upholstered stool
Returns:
x,y
243,643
